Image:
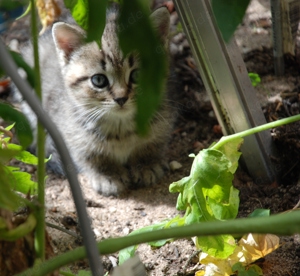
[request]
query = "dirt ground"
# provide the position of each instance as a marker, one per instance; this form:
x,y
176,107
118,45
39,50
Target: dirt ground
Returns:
x,y
196,128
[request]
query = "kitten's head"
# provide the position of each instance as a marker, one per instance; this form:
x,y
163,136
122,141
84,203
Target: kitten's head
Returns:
x,y
101,79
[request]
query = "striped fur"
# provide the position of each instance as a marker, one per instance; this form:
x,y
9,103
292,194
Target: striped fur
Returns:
x,y
90,95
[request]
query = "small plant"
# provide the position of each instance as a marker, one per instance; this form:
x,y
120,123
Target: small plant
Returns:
x,y
13,180
255,79
207,194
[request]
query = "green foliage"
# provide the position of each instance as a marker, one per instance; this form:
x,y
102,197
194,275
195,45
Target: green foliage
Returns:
x,y
255,79
136,33
207,194
79,11
22,128
8,5
90,15
260,213
11,178
252,270
229,14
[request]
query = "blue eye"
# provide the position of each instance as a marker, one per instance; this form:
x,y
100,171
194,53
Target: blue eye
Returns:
x,y
99,80
134,75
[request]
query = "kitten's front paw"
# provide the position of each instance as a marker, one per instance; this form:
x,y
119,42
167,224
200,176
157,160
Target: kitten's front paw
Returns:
x,y
148,175
109,185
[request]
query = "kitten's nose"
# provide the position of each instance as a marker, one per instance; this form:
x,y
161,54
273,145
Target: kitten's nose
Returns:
x,y
121,101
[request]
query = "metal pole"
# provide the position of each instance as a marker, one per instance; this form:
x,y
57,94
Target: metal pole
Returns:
x,y
277,37
227,82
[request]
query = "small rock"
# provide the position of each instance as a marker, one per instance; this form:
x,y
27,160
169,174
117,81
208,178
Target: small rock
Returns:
x,y
174,165
97,233
211,114
112,209
126,231
14,45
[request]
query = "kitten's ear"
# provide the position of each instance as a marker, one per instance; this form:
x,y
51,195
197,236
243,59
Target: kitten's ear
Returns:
x,y
67,38
161,22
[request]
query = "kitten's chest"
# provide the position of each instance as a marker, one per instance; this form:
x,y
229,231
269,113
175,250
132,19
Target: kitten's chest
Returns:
x,y
117,139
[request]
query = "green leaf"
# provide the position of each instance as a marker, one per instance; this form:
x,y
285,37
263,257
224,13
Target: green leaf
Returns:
x,y
10,127
255,79
229,14
127,253
96,19
252,270
219,246
136,33
8,199
231,209
21,63
7,154
24,156
22,127
90,15
79,10
260,213
207,194
230,151
84,273
21,181
8,5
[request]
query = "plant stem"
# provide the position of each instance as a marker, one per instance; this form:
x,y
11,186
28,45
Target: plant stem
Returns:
x,y
40,213
282,224
254,130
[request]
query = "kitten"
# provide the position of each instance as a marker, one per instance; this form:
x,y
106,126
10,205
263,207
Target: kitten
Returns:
x,y
90,95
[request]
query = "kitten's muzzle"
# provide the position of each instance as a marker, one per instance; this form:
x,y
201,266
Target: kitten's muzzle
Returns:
x,y
121,101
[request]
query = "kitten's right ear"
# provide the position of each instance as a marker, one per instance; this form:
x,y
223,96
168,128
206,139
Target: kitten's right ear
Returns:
x,y
67,38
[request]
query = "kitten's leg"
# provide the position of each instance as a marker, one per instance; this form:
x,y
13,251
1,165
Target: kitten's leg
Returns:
x,y
109,178
147,175
106,185
149,167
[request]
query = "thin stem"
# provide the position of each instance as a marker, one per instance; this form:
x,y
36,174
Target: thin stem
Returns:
x,y
254,130
282,224
69,167
40,228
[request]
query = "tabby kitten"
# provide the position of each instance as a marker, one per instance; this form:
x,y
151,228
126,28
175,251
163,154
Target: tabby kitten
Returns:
x,y
90,94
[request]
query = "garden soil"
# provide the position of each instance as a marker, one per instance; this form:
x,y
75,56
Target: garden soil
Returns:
x,y
196,128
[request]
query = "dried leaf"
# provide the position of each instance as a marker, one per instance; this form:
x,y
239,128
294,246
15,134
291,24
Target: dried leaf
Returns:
x,y
251,247
259,245
49,11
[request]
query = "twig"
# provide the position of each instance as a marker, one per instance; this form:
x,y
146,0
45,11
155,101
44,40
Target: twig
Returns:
x,y
71,233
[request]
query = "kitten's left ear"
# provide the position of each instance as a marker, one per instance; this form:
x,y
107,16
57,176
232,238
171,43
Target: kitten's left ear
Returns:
x,y
161,22
67,39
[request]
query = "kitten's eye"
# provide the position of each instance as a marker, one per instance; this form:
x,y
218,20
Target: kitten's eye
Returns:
x,y
134,75
99,80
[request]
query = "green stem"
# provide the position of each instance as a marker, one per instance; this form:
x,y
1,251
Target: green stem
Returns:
x,y
226,139
40,214
282,224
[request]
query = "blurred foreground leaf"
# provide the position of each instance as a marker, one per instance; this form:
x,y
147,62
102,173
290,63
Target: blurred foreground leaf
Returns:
x,y
229,14
136,33
90,15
